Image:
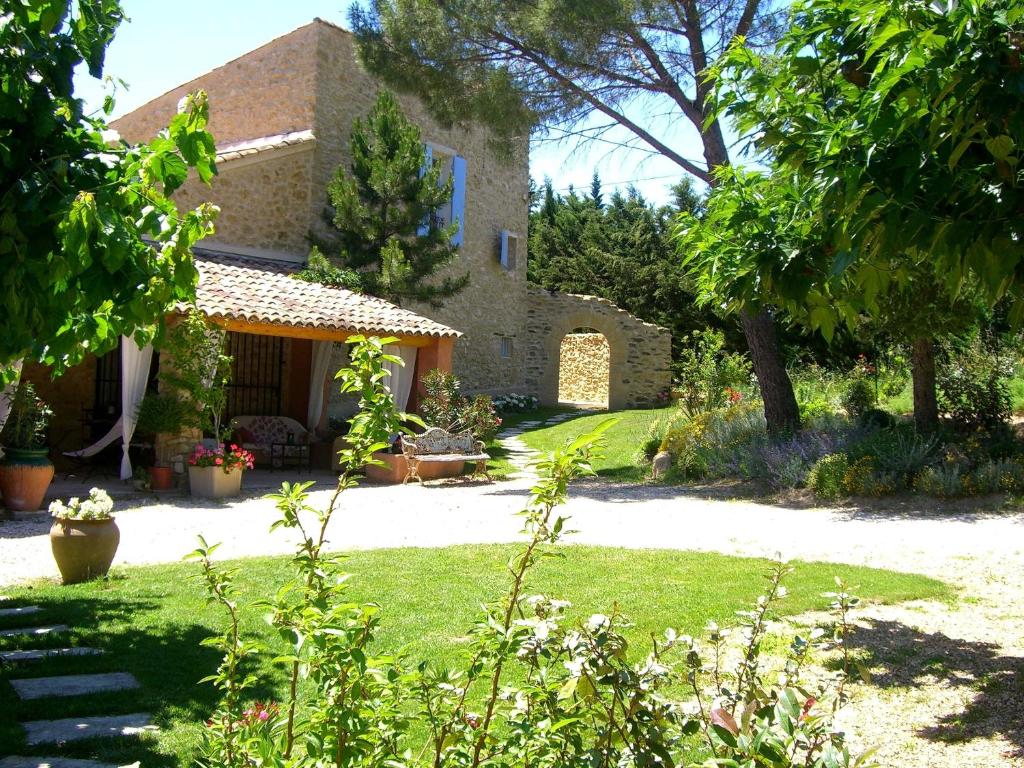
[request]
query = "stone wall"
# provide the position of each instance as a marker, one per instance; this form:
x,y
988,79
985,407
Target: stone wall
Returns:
x,y
639,353
583,369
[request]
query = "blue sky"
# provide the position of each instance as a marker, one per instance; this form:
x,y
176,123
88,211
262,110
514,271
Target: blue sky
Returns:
x,y
164,45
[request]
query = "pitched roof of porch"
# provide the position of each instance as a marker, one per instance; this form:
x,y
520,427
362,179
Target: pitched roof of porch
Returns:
x,y
264,293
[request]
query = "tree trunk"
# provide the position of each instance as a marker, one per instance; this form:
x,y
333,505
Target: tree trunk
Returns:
x,y
926,408
780,408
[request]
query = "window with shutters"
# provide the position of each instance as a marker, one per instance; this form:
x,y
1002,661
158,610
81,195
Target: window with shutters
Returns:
x,y
508,252
452,166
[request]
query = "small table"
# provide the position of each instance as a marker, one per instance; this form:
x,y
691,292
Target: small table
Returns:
x,y
284,455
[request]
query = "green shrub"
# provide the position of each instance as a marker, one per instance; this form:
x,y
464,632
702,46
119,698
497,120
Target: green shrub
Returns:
x,y
876,418
859,397
972,388
708,377
946,481
826,478
164,413
1000,476
863,478
898,453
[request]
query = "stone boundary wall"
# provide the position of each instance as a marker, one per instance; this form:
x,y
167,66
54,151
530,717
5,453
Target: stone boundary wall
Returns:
x,y
639,353
583,368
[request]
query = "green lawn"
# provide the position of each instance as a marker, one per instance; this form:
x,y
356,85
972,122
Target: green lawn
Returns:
x,y
622,442
151,620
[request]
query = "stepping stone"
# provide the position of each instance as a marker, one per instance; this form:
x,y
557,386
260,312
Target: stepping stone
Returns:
x,y
50,762
50,630
23,611
78,728
14,657
72,685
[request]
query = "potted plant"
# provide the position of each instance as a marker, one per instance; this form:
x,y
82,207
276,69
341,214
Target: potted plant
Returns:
x,y
26,470
84,536
199,370
215,473
162,415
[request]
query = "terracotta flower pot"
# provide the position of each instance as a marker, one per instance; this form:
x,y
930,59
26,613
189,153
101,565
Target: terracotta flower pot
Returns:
x,y
83,549
214,482
25,476
161,478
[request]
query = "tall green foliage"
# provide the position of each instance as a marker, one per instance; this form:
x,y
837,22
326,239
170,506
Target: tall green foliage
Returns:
x,y
620,250
908,121
384,222
92,245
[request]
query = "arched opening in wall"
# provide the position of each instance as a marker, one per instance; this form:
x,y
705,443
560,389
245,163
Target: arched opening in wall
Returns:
x,y
584,368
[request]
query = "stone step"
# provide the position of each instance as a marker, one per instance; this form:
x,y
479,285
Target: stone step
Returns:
x,y
15,657
25,610
51,762
48,630
72,685
78,728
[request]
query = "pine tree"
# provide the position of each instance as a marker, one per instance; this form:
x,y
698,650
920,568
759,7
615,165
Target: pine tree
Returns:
x,y
385,223
595,191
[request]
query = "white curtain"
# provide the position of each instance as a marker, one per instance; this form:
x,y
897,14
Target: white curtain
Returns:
x,y
134,377
319,369
400,380
7,394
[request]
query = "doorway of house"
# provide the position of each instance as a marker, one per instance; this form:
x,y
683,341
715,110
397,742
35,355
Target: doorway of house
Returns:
x,y
584,368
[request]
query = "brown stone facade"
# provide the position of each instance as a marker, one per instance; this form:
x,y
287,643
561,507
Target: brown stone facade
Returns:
x,y
638,353
310,81
584,361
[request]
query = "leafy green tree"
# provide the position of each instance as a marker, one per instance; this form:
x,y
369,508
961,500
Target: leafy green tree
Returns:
x,y
906,118
580,69
760,243
92,245
384,222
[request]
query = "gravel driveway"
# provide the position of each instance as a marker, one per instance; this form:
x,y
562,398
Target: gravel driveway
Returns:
x,y
949,680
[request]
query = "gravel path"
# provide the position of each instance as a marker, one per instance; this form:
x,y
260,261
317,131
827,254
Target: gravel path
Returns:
x,y
949,680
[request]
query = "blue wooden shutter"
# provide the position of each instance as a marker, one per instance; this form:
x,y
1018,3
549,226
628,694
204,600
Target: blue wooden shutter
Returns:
x,y
504,248
459,197
424,228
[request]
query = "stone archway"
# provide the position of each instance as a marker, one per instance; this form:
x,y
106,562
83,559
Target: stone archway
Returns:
x,y
584,368
638,353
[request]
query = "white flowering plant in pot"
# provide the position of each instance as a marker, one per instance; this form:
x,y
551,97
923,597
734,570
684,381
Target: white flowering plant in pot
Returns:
x,y
96,506
84,537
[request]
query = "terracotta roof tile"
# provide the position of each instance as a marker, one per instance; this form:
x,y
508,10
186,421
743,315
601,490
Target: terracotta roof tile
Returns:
x,y
263,291
251,147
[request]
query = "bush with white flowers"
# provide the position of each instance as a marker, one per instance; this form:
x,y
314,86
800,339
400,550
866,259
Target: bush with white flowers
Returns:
x,y
514,403
98,506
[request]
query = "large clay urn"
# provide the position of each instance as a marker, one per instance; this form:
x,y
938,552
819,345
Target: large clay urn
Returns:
x,y
83,549
25,475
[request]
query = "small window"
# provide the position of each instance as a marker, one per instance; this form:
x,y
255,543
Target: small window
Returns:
x,y
509,250
506,346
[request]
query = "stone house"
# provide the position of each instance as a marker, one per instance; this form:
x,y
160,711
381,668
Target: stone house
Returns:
x,y
281,115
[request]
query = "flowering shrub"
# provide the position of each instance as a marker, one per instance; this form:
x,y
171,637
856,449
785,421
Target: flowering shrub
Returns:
x,y
235,458
98,506
513,403
708,377
443,406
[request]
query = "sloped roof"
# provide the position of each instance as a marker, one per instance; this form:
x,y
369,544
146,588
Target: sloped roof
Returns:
x,y
257,290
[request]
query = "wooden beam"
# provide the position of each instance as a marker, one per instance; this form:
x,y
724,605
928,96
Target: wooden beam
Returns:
x,y
315,334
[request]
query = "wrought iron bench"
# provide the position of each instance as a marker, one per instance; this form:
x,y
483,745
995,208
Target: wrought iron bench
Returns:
x,y
439,445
